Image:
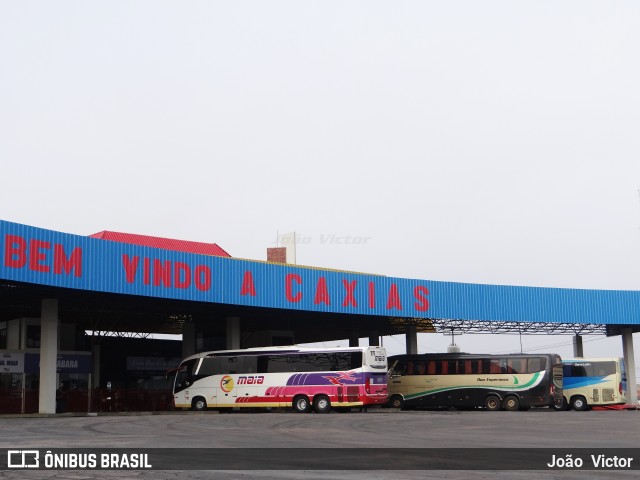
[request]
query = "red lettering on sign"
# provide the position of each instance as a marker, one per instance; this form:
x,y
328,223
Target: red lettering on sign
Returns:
x,y
15,251
248,288
62,262
36,256
181,275
372,295
420,293
289,288
202,278
146,270
130,267
322,294
394,299
349,298
161,273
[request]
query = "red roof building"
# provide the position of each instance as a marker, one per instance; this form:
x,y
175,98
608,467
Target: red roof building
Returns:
x,y
164,243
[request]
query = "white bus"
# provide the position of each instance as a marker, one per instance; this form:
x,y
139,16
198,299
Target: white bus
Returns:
x,y
303,378
593,381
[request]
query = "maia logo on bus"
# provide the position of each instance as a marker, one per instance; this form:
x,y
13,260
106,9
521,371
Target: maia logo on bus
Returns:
x,y
226,383
251,380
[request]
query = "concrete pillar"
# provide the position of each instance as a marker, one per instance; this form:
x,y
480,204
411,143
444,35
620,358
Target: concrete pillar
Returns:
x,y
48,355
578,352
188,339
354,341
411,339
374,340
630,365
233,333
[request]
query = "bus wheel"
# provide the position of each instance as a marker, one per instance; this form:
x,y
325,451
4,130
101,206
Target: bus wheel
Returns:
x,y
301,404
396,401
492,403
579,403
321,404
563,407
199,404
511,403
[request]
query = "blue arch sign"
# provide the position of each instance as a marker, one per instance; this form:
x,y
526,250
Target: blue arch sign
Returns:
x,y
46,257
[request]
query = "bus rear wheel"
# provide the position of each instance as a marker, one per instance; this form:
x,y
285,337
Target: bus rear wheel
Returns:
x,y
511,403
199,404
321,404
301,404
563,407
579,403
492,403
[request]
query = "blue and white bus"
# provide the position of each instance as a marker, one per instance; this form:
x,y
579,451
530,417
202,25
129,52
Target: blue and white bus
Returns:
x,y
593,381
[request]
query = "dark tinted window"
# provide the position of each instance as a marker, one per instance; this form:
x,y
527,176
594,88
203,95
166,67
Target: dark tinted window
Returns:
x,y
400,367
469,366
227,365
314,362
537,364
517,365
589,369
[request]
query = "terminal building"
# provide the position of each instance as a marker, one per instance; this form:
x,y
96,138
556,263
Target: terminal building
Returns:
x,y
77,313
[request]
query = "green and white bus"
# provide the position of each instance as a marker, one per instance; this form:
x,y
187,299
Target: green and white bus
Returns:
x,y
593,381
493,382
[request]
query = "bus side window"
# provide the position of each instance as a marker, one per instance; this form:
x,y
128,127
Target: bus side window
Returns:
x,y
503,366
486,366
474,366
534,365
579,371
401,368
431,367
452,367
263,364
495,367
514,365
418,368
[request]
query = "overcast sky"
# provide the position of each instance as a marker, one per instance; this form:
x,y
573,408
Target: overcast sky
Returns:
x,y
488,142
